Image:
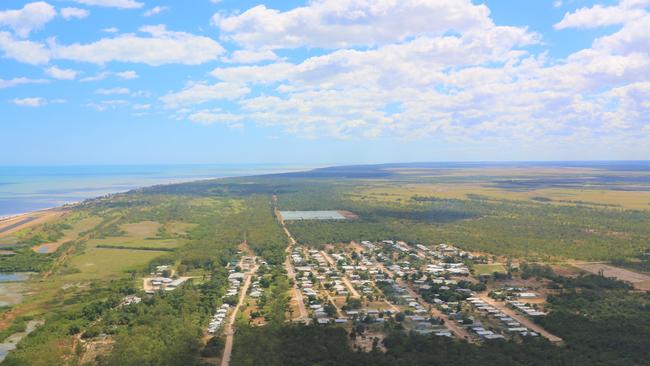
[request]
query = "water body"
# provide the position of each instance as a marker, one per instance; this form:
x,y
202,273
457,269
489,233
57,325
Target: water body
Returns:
x,y
11,342
12,288
25,189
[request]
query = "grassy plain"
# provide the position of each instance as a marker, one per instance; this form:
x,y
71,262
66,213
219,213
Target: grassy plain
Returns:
x,y
488,269
102,263
79,226
633,200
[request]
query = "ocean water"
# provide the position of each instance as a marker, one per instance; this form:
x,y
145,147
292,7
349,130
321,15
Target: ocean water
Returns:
x,y
25,189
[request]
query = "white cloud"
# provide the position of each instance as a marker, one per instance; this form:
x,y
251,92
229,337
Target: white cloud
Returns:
x,y
155,10
111,30
599,16
197,93
127,75
161,47
465,87
123,4
112,91
69,13
124,75
29,102
31,17
346,23
250,57
141,107
255,74
108,104
557,3
19,81
208,117
61,74
22,50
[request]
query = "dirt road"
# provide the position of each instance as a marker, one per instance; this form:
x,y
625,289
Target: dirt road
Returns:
x,y
296,295
229,330
453,327
520,318
353,293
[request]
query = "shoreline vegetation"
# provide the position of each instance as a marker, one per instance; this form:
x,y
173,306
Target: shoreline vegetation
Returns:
x,y
107,248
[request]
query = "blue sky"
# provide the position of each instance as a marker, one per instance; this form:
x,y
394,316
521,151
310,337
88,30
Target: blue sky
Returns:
x,y
323,82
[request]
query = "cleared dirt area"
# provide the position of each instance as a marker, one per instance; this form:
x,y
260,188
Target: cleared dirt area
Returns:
x,y
14,224
639,280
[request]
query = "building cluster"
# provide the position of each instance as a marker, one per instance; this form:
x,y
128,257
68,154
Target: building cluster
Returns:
x,y
517,305
235,280
509,324
218,318
163,280
388,278
130,300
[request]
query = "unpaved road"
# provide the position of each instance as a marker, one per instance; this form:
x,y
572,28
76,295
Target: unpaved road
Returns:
x,y
344,278
296,295
229,331
523,320
453,327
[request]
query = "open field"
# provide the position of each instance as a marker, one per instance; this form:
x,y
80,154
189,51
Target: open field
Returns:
x,y
126,241
639,280
488,269
98,263
82,225
142,229
637,200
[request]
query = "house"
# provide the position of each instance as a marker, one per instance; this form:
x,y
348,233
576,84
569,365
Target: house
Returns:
x,y
236,276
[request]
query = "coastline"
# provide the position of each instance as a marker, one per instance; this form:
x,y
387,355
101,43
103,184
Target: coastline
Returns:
x,y
60,187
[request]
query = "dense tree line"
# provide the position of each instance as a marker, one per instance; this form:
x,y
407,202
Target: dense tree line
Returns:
x,y
514,228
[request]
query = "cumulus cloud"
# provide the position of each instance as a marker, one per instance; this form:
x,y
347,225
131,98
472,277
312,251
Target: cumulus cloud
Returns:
x,y
464,82
198,93
69,13
599,16
124,75
19,81
155,10
334,24
61,74
108,104
112,91
127,75
208,117
29,102
122,4
22,50
250,57
179,47
30,17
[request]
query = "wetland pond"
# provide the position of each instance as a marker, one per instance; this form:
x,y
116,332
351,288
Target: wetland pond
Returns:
x,y
12,290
